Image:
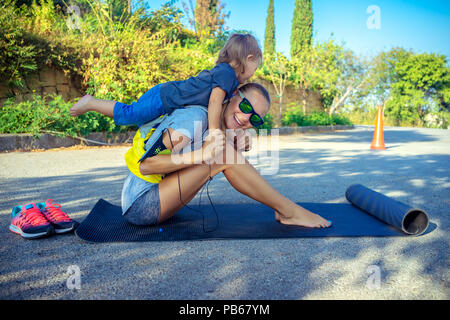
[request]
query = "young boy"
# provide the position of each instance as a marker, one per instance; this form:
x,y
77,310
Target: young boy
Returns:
x,y
237,62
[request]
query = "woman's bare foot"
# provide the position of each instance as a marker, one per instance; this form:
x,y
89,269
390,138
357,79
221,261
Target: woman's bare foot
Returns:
x,y
304,218
82,106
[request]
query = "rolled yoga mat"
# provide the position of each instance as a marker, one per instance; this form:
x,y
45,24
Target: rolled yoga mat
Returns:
x,y
410,220
105,222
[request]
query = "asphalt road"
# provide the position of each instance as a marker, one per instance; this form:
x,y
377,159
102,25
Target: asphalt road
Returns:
x,y
312,168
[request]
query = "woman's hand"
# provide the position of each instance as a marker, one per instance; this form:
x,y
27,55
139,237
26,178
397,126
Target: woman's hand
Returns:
x,y
213,146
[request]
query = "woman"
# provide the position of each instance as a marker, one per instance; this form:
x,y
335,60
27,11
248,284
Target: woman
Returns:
x,y
152,199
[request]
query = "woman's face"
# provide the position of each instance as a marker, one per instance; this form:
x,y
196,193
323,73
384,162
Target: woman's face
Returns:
x,y
234,118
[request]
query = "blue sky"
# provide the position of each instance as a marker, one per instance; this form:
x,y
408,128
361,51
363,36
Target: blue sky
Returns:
x,y
420,25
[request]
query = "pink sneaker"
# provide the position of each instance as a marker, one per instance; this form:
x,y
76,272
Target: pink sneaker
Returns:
x,y
59,219
29,222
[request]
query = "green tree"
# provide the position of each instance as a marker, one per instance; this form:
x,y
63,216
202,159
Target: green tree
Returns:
x,y
345,76
302,24
209,18
328,69
411,85
278,71
303,73
269,36
315,68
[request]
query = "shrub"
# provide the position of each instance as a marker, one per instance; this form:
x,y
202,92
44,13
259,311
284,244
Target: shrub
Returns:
x,y
124,60
268,122
17,55
362,115
295,115
51,113
437,119
340,119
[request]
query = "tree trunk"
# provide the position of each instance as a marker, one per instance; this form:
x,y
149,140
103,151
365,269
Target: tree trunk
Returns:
x,y
304,100
281,105
337,103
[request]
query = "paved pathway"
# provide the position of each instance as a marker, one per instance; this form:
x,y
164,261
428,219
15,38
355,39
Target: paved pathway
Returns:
x,y
312,168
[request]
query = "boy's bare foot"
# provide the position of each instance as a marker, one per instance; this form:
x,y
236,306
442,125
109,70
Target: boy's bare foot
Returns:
x,y
304,218
81,107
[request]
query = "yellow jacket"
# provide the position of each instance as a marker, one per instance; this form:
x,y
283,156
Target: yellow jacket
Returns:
x,y
137,151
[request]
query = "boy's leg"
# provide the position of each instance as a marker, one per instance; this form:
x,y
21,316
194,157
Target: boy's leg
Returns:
x,y
147,108
89,103
105,107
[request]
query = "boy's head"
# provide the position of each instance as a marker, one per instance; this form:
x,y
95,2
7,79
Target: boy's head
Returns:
x,y
241,52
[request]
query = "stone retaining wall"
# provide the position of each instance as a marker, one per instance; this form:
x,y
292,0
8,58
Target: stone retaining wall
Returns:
x,y
48,80
291,96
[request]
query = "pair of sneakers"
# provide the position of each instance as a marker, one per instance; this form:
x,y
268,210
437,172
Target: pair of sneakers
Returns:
x,y
36,220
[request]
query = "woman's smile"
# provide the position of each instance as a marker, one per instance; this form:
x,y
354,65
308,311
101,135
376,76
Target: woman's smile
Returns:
x,y
236,120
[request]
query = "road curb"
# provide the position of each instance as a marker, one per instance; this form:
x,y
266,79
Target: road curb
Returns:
x,y
312,129
26,142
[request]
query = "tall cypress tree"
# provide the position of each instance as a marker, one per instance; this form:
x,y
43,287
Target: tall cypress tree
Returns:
x,y
269,36
302,23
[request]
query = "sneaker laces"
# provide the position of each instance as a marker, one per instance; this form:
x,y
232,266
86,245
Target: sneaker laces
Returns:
x,y
33,216
54,210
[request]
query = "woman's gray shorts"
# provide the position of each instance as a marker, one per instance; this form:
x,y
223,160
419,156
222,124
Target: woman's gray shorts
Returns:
x,y
146,209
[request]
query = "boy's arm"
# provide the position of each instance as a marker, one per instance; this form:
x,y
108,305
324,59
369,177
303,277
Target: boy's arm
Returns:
x,y
215,108
215,135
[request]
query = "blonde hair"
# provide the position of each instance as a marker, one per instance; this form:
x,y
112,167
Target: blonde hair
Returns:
x,y
237,48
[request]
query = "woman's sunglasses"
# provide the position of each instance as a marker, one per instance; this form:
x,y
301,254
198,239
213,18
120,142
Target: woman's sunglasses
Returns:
x,y
246,107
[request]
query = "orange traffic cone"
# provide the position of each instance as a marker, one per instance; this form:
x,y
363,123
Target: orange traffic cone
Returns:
x,y
378,135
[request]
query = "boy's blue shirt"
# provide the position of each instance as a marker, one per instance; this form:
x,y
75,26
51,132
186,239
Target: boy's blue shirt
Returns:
x,y
197,90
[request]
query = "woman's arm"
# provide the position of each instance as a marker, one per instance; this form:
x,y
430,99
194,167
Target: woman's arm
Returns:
x,y
162,164
175,141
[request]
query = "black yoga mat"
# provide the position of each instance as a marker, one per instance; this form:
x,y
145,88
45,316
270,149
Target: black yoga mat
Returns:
x,y
105,223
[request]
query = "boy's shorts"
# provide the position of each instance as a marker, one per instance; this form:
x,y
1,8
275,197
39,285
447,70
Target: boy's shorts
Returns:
x,y
148,107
